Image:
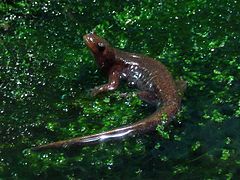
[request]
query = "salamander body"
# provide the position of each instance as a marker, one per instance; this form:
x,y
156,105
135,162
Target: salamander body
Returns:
x,y
151,77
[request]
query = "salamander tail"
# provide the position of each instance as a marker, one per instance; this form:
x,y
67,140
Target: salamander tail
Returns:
x,y
88,140
139,127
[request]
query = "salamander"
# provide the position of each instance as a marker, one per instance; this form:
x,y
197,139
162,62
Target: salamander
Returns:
x,y
154,81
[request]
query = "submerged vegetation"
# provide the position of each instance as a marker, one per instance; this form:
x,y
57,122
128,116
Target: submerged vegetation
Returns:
x,y
46,73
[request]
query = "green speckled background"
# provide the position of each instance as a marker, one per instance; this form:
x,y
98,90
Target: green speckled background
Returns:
x,y
46,73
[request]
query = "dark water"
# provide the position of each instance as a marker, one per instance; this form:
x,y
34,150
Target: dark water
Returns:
x,y
46,73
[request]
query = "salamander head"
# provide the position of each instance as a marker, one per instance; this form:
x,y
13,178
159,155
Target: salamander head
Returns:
x,y
101,49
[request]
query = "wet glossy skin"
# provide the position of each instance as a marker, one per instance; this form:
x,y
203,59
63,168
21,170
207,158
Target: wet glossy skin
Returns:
x,y
151,77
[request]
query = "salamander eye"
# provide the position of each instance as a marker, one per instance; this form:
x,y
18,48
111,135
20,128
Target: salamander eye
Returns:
x,y
100,46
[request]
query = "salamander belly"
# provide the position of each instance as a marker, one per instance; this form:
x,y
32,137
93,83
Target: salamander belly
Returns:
x,y
138,77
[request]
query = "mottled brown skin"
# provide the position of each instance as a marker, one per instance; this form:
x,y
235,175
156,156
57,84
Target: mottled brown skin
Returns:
x,y
151,77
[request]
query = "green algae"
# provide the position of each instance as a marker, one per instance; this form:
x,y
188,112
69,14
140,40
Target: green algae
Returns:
x,y
46,73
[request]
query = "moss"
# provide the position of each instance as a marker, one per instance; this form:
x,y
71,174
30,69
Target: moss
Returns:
x,y
46,73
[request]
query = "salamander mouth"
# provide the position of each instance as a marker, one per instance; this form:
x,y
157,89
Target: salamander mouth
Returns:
x,y
90,43
86,40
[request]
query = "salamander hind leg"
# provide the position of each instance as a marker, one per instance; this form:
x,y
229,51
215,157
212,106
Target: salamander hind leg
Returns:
x,y
181,86
148,97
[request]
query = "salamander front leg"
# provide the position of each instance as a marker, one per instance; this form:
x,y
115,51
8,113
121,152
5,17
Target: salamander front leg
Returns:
x,y
113,82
